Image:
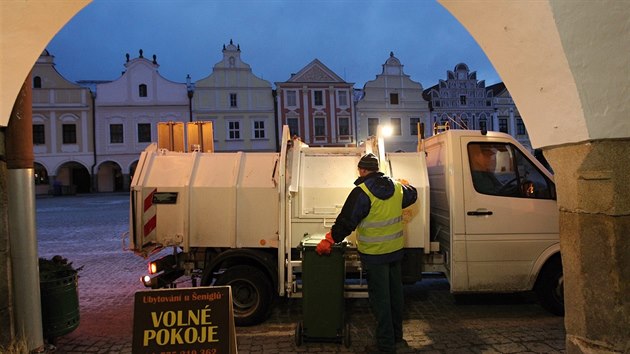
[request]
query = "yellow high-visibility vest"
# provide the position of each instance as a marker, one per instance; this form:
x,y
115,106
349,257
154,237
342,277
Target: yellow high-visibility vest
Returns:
x,y
381,232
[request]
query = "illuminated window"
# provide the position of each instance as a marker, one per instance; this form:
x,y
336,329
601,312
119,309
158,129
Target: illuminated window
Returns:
x,y
395,123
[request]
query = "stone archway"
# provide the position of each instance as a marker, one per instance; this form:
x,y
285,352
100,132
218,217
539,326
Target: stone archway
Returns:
x,y
558,59
71,178
109,177
562,63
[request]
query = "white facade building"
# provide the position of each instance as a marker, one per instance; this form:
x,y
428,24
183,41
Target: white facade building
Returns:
x,y
393,100
127,112
240,105
62,131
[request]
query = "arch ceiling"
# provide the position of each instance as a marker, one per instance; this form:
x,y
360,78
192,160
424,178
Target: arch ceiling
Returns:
x,y
26,28
562,62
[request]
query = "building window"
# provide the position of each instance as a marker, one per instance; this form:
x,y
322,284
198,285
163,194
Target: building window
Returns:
x,y
294,127
393,98
320,126
234,130
413,126
116,134
37,82
520,127
483,125
503,128
462,100
318,98
344,126
142,90
144,133
233,101
291,98
342,97
259,129
39,134
69,133
395,123
372,126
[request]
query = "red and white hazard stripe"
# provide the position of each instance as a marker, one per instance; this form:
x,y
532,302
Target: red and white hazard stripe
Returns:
x,y
149,215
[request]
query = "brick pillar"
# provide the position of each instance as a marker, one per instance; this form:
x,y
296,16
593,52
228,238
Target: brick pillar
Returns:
x,y
593,183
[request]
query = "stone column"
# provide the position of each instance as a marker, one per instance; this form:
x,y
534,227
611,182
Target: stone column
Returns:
x,y
593,183
7,332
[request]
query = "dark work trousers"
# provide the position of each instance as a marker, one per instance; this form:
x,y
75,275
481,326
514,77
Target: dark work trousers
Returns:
x,y
386,300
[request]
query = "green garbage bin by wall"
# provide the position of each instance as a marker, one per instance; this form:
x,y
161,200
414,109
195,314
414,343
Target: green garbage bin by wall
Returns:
x,y
59,300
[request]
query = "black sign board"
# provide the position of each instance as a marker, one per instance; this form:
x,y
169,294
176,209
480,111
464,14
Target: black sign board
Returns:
x,y
188,320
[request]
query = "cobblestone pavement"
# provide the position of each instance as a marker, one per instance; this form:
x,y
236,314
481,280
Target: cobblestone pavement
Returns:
x,y
87,230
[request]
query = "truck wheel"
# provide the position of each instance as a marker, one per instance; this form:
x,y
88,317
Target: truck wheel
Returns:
x,y
550,287
251,294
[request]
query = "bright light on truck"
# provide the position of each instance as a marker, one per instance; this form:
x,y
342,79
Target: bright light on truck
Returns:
x,y
387,131
153,267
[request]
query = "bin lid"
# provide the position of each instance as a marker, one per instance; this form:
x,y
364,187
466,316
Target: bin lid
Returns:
x,y
312,240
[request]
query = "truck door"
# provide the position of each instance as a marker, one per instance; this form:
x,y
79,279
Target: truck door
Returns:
x,y
511,215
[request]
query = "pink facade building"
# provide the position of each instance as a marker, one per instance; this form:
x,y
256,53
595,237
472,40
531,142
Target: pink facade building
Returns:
x,y
317,105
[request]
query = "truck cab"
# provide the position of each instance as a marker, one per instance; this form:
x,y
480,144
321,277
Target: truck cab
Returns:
x,y
494,214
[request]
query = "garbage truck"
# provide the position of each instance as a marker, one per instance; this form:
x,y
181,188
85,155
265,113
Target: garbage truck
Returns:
x,y
239,218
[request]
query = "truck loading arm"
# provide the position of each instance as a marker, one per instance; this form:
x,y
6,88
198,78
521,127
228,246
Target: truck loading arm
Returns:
x,y
283,220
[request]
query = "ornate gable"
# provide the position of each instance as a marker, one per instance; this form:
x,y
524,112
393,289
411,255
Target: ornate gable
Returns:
x,y
315,71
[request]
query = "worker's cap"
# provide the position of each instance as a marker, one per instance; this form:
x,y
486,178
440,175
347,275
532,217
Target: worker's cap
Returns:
x,y
369,162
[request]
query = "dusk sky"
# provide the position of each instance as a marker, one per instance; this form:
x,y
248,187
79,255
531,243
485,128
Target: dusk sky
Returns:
x,y
276,37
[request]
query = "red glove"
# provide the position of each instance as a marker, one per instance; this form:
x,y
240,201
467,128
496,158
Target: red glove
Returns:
x,y
325,246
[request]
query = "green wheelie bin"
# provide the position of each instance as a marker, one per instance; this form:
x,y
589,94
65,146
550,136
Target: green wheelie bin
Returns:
x,y
322,295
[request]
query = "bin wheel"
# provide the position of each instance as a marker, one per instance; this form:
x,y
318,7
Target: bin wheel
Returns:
x,y
299,331
346,336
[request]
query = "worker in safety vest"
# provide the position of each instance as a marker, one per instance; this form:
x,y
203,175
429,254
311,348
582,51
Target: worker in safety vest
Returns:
x,y
374,209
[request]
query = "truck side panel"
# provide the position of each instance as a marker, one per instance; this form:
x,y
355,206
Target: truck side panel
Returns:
x,y
234,201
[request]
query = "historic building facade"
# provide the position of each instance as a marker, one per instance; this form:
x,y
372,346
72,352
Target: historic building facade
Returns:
x,y
463,102
127,112
63,135
393,100
240,105
508,117
317,105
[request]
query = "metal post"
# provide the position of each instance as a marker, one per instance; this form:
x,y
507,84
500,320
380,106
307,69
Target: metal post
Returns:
x,y
21,215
